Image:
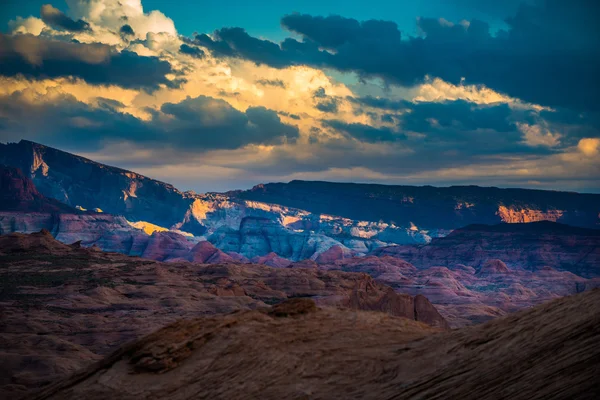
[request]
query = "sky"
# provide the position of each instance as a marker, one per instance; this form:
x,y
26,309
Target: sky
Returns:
x,y
222,95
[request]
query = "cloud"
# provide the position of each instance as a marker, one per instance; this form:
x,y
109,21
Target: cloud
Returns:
x,y
366,133
191,51
554,38
271,82
57,19
30,25
38,57
589,146
126,30
192,125
209,123
536,135
112,14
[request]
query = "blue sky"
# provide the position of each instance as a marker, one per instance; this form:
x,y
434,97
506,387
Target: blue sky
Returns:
x,y
220,95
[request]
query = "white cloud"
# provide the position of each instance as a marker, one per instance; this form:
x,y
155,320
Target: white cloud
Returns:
x,y
536,135
113,14
30,25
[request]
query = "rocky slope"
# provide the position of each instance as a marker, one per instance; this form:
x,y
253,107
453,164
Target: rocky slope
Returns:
x,y
430,208
64,306
301,352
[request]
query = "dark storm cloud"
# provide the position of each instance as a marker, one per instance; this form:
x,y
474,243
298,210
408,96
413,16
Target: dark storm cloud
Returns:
x,y
365,133
57,19
553,39
381,102
457,114
65,121
211,123
328,106
126,30
191,51
195,124
38,57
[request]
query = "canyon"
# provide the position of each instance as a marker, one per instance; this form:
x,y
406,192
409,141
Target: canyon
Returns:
x,y
472,273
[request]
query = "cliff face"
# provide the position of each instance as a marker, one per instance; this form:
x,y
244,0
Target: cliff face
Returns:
x,y
77,181
429,207
17,193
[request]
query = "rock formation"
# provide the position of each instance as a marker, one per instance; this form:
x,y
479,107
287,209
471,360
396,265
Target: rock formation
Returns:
x,y
63,306
299,351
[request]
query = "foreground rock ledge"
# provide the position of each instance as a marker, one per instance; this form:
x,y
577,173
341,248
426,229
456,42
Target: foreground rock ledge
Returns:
x,y
548,352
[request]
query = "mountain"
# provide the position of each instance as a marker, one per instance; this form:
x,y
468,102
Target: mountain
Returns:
x,y
299,351
77,181
297,220
65,306
430,208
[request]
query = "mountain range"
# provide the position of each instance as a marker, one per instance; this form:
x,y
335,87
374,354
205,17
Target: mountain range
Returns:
x,y
513,253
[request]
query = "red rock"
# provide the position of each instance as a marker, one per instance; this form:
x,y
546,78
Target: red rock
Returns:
x,y
205,252
333,254
272,260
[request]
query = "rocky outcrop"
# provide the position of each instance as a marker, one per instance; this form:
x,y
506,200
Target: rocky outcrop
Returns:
x,y
272,260
549,351
492,267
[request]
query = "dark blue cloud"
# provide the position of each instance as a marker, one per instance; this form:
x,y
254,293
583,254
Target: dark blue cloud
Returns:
x,y
57,19
457,114
191,51
126,30
550,54
365,133
194,124
209,123
38,57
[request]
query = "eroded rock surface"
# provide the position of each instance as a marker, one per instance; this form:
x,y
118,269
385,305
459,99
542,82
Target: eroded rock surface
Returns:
x,y
63,306
550,351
